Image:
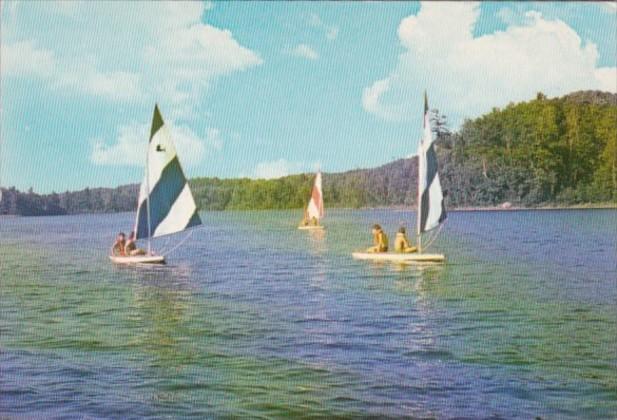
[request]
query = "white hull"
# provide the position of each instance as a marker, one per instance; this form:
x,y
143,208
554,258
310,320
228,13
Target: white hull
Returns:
x,y
310,227
399,257
139,259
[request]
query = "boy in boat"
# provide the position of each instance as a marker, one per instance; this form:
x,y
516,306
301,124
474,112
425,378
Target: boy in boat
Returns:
x,y
380,239
305,219
118,248
401,243
131,248
314,221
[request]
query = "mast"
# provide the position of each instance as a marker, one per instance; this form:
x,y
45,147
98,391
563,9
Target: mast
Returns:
x,y
420,169
431,208
148,198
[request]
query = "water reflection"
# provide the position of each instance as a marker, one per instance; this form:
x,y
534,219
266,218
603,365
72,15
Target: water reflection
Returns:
x,y
163,309
317,242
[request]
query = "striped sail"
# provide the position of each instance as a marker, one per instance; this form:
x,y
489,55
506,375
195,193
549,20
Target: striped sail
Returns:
x,y
166,204
315,206
431,208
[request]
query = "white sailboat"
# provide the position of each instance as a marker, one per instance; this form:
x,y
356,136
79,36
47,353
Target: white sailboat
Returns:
x,y
314,211
166,204
431,208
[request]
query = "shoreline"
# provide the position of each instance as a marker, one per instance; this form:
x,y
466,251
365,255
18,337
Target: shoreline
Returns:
x,y
586,206
601,206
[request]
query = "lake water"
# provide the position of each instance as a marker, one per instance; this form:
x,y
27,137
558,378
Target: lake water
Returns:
x,y
255,318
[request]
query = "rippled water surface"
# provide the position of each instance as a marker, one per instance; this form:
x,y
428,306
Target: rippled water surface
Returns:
x,y
255,318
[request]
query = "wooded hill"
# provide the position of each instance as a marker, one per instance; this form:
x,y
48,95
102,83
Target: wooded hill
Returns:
x,y
559,151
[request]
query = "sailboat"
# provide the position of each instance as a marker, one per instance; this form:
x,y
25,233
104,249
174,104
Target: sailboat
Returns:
x,y
431,208
166,204
314,211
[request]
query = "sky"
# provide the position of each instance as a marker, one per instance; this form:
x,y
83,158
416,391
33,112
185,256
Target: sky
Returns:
x,y
266,89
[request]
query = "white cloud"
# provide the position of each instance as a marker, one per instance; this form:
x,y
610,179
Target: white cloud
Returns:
x,y
137,51
607,77
117,86
371,95
466,75
609,6
280,168
330,31
305,51
129,149
24,58
130,146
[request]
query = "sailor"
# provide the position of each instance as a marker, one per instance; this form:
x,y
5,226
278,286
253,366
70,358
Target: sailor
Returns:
x,y
401,243
117,248
380,240
314,221
131,248
305,219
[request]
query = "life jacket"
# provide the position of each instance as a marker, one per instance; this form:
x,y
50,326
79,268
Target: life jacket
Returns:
x,y
383,241
130,246
401,242
119,248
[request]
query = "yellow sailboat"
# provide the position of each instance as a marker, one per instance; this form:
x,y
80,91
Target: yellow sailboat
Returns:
x,y
431,209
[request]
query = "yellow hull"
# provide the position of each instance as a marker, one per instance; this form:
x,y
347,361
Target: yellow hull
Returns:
x,y
139,259
310,227
399,257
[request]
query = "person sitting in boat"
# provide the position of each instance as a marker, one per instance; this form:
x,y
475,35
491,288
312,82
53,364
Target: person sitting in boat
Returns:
x,y
401,243
314,221
380,240
118,248
305,219
130,248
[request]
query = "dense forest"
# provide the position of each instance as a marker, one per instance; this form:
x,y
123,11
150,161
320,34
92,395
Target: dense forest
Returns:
x,y
545,151
559,151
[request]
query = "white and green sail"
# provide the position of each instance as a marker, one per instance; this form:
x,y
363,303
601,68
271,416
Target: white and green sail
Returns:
x,y
166,204
431,207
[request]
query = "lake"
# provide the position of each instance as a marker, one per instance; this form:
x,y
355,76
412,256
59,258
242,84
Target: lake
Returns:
x,y
254,318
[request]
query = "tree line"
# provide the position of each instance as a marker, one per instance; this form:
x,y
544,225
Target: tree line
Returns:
x,y
545,151
558,151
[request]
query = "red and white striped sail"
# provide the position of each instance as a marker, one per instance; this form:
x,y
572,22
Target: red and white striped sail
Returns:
x,y
315,206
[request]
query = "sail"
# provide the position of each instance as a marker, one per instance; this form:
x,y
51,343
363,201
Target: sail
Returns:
x,y
165,204
315,206
431,208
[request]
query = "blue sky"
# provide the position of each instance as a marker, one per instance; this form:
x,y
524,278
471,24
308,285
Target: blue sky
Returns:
x,y
266,89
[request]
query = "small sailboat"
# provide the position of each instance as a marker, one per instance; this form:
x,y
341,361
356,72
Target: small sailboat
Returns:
x,y
166,204
314,211
431,208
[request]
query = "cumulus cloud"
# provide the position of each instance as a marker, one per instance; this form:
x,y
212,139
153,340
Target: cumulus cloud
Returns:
x,y
129,148
24,58
304,51
467,75
152,51
280,168
117,86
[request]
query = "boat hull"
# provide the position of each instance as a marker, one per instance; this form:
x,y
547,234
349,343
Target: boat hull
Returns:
x,y
139,259
399,257
310,227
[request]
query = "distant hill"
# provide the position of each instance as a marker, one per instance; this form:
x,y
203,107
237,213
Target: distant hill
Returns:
x,y
89,200
544,151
